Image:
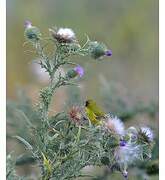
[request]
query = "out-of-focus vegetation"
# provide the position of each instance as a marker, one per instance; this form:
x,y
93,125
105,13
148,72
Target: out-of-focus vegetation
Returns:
x,y
129,28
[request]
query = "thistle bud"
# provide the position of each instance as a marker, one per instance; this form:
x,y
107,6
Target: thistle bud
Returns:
x,y
98,50
132,134
32,33
77,71
71,73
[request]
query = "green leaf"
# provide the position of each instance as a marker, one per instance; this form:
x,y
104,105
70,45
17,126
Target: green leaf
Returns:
x,y
24,159
24,142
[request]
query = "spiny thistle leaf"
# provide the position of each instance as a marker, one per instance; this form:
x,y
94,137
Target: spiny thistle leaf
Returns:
x,y
23,141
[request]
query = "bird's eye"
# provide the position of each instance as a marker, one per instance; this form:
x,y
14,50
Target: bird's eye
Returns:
x,y
86,103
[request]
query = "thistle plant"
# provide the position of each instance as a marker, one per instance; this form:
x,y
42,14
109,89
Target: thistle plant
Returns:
x,y
64,143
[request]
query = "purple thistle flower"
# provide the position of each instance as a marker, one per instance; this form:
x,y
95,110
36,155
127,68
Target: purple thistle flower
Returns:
x,y
123,143
108,53
27,24
79,70
148,132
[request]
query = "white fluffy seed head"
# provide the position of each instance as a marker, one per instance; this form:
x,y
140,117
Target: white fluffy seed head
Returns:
x,y
116,125
66,33
127,154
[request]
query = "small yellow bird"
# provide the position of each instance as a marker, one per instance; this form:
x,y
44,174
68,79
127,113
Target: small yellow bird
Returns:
x,y
93,112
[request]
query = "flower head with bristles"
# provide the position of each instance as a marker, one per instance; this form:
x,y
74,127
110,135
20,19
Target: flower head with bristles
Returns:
x,y
63,35
127,153
145,135
79,70
75,114
115,125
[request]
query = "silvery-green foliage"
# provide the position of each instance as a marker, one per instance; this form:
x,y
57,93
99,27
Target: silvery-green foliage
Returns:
x,y
64,143
10,169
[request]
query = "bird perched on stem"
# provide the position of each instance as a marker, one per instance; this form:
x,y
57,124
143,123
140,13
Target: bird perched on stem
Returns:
x,y
93,112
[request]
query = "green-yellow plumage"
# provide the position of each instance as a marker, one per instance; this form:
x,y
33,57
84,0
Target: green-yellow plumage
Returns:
x,y
93,112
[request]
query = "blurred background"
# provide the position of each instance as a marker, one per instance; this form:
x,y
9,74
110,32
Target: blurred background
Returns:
x,y
128,79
